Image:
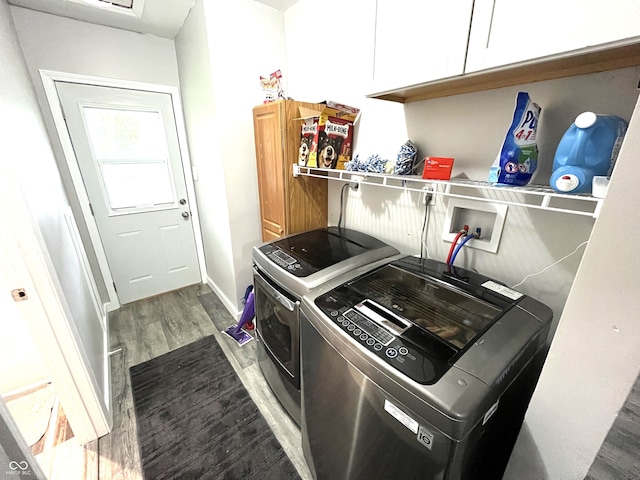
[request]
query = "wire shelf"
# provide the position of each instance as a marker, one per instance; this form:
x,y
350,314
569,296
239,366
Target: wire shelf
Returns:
x,y
530,196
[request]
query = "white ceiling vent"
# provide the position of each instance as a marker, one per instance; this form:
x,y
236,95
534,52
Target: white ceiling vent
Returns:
x,y
120,3
127,7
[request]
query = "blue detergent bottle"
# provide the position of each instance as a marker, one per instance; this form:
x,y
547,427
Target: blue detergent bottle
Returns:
x,y
588,148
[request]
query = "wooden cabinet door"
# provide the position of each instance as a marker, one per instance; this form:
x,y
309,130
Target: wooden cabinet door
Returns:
x,y
268,131
417,42
505,32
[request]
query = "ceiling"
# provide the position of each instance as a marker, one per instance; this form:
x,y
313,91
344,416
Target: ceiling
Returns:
x,y
159,17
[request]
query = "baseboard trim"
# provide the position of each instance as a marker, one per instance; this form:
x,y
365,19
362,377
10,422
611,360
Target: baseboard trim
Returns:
x,y
224,299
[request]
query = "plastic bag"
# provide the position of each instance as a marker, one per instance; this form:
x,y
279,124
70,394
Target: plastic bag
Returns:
x,y
518,157
272,87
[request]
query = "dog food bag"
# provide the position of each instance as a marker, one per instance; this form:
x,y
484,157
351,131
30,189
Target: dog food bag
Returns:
x,y
333,142
308,131
518,157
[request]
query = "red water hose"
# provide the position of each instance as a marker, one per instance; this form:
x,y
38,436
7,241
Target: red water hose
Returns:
x,y
455,242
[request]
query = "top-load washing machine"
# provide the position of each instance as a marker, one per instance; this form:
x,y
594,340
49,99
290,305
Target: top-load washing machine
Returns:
x,y
417,369
284,271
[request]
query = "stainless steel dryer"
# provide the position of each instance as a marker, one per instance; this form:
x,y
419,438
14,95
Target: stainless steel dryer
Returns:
x,y
285,270
417,369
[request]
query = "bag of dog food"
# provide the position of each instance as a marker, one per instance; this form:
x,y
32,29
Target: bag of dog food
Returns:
x,y
518,157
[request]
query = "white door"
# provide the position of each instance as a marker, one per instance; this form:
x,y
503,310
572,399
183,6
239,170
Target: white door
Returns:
x,y
126,145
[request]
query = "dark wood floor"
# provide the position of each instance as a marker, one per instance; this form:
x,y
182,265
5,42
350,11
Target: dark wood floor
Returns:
x,y
149,328
146,329
619,456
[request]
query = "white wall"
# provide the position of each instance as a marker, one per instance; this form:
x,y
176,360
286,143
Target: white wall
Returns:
x,y
595,356
57,43
471,129
557,442
223,51
245,41
330,57
20,364
192,49
27,158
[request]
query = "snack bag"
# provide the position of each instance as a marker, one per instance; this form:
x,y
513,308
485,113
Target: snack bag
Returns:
x,y
272,87
518,157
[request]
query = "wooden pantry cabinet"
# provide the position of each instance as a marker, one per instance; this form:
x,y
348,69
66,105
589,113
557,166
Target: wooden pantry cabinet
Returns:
x,y
287,204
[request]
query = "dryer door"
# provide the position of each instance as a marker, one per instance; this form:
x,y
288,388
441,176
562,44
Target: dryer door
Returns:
x,y
277,321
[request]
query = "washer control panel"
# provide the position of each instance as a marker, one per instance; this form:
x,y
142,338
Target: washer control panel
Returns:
x,y
396,350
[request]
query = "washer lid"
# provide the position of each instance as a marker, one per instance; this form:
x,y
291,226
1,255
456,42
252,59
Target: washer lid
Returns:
x,y
319,249
456,317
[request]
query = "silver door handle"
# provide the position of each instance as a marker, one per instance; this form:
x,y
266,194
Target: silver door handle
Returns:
x,y
284,301
185,215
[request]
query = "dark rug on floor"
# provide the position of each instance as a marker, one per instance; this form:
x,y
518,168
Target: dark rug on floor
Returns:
x,y
196,420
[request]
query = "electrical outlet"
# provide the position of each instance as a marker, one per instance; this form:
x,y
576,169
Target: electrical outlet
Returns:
x,y
429,197
489,217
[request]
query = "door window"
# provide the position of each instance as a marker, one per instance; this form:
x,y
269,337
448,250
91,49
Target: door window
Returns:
x,y
130,150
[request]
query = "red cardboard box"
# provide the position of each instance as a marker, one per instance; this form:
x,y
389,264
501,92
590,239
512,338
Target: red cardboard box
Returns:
x,y
437,168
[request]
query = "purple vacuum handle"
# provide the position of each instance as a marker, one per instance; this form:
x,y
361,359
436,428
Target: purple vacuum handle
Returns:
x,y
247,314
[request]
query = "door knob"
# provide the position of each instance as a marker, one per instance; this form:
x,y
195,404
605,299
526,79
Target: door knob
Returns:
x,y
185,215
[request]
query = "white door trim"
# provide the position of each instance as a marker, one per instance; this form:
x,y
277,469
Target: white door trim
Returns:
x,y
49,78
25,263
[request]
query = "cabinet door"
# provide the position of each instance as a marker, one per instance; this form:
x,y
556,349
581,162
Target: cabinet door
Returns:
x,y
505,32
267,125
419,41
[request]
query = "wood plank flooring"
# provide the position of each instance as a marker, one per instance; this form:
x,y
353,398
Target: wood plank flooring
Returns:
x,y
619,455
146,329
151,327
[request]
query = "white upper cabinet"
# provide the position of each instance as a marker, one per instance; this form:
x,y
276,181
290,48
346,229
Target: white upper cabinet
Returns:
x,y
505,31
418,41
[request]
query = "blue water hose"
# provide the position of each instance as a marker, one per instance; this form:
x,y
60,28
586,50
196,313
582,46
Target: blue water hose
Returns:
x,y
460,245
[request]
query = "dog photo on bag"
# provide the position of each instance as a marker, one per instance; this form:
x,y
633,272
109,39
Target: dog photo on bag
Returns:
x,y
328,150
